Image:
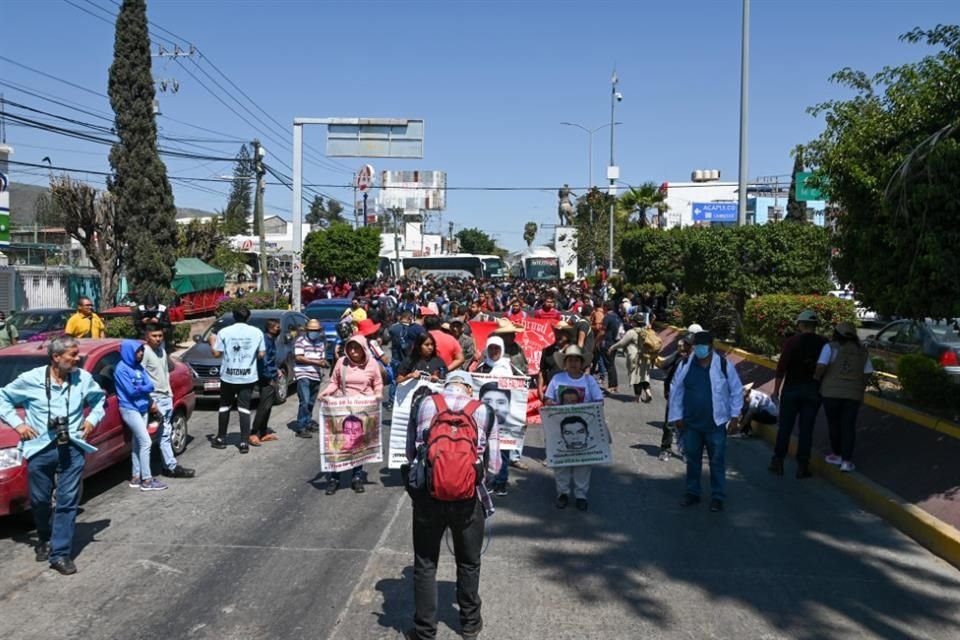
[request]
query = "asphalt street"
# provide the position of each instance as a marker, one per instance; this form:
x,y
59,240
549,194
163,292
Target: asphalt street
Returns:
x,y
252,548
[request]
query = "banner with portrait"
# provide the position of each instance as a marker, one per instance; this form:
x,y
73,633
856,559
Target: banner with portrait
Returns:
x,y
536,336
575,434
507,398
408,393
349,432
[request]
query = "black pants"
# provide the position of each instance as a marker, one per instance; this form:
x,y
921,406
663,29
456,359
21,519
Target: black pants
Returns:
x,y
268,396
801,402
842,421
610,360
465,521
241,393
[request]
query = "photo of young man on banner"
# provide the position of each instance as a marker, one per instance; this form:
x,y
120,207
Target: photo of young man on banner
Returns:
x,y
350,432
408,393
575,434
507,397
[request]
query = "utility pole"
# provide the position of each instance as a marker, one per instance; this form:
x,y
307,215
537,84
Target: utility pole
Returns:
x,y
396,240
744,99
450,246
613,172
261,173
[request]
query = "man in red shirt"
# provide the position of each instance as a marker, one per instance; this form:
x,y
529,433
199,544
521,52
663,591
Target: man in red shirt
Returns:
x,y
448,347
549,311
516,315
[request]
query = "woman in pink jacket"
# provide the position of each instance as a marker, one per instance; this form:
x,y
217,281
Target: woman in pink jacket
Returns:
x,y
355,374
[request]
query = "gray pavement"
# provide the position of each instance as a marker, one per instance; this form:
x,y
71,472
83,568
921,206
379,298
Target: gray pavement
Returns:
x,y
252,548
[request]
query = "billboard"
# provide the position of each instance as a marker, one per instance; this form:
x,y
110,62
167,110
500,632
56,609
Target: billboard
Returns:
x,y
413,191
374,138
565,241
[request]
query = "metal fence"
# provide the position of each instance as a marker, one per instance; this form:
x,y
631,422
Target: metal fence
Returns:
x,y
31,287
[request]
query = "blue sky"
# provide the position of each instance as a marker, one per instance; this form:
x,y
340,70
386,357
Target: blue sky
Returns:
x,y
492,80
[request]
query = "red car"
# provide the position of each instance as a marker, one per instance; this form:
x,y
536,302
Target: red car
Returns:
x,y
112,439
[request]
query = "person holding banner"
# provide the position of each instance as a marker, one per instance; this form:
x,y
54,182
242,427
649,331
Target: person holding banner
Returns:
x,y
497,364
573,386
423,360
355,374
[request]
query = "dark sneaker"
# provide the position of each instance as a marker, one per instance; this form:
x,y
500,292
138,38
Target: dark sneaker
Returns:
x,y
218,443
179,472
581,504
776,466
244,447
43,551
134,482
500,489
562,501
716,505
803,471
305,433
664,455
64,566
689,500
314,427
332,486
152,484
472,634
357,485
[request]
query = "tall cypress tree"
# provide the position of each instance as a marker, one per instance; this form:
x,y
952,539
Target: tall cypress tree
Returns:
x,y
145,213
796,209
240,203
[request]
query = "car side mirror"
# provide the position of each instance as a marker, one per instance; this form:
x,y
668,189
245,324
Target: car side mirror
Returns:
x,y
196,338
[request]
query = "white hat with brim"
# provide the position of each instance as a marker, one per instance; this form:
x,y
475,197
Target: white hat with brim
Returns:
x,y
459,377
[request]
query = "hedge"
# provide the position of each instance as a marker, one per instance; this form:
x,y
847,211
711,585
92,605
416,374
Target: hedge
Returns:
x,y
715,312
925,382
122,327
255,300
768,320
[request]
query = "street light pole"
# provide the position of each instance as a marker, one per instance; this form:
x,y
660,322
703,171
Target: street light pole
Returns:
x,y
612,173
590,133
744,103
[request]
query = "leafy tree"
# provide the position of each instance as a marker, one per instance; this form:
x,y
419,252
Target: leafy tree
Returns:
x,y
348,253
529,232
796,209
591,218
323,214
640,200
90,218
229,260
198,239
240,203
889,158
145,215
652,256
476,241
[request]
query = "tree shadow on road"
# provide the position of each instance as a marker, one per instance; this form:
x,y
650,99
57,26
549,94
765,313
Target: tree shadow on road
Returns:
x,y
398,602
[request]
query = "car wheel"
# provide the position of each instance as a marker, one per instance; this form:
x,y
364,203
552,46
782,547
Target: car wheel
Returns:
x,y
281,387
179,433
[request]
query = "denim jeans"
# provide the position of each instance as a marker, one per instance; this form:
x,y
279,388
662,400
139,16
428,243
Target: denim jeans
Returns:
x,y
165,406
803,401
67,461
355,473
307,391
140,448
504,473
842,421
715,440
465,521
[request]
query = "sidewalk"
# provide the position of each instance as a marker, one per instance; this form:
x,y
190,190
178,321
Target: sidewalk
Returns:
x,y
787,559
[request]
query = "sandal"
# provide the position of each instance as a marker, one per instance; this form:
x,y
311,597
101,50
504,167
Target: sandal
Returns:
x,y
254,441
270,437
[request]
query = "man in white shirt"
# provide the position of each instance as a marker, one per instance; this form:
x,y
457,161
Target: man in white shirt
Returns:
x,y
240,345
757,406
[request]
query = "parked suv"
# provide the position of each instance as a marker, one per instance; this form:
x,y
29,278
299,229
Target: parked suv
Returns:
x,y
38,324
328,311
206,368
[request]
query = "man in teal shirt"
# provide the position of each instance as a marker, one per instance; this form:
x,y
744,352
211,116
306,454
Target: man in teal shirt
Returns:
x,y
46,394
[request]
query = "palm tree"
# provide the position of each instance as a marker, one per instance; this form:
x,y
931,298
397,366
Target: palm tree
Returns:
x,y
529,232
639,200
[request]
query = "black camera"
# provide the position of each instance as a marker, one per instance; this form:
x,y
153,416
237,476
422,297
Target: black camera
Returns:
x,y
61,425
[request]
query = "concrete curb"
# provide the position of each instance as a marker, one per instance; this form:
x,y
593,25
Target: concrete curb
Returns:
x,y
936,535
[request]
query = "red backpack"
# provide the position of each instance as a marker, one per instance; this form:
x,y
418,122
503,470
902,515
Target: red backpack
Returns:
x,y
451,444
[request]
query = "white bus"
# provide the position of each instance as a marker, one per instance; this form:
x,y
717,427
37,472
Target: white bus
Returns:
x,y
538,263
456,265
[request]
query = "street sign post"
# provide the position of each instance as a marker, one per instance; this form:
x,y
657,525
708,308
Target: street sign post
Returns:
x,y
715,211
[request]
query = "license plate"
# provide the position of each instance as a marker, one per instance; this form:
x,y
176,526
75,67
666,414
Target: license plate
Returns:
x,y
211,386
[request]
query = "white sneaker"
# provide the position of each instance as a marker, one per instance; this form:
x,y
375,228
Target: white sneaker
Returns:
x,y
833,459
847,467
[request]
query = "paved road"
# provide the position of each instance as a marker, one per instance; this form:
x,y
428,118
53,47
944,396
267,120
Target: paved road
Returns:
x,y
252,549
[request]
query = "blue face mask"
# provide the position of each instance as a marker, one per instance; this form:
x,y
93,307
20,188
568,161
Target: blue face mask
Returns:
x,y
701,350
314,335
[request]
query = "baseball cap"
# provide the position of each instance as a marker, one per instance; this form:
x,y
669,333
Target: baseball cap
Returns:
x,y
703,337
808,315
694,328
459,377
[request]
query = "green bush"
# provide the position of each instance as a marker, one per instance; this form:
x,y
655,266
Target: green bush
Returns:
x,y
925,382
770,319
121,327
715,312
255,300
181,333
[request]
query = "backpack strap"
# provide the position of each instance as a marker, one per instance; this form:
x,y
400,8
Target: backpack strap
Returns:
x,y
723,365
440,402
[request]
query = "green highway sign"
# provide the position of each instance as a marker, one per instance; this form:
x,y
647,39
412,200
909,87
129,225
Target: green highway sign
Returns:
x,y
805,189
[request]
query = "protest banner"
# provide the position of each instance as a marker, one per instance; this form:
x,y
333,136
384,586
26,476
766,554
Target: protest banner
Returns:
x,y
575,434
407,394
349,432
507,398
537,335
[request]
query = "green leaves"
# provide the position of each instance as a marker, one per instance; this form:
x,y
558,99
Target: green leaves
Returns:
x,y
350,254
475,241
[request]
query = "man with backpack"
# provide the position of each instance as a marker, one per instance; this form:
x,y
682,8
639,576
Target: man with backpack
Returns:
x,y
454,441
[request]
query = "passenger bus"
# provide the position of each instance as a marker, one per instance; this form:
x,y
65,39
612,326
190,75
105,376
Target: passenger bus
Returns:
x,y
538,263
456,265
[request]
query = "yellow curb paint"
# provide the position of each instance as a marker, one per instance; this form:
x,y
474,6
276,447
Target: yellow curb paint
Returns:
x,y
945,427
936,535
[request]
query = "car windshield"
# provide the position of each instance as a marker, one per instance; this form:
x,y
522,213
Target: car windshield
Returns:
x,y
260,322
28,319
944,331
325,312
10,367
